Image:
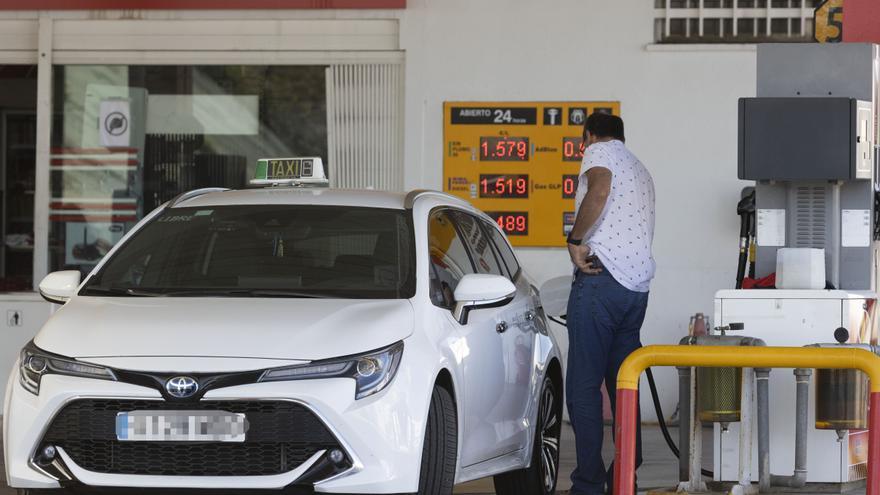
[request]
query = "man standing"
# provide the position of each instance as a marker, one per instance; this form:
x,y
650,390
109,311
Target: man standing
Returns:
x,y
610,245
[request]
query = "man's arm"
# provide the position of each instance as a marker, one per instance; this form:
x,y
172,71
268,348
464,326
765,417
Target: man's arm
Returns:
x,y
598,189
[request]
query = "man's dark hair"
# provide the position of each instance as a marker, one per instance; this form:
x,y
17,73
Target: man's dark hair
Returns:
x,y
603,125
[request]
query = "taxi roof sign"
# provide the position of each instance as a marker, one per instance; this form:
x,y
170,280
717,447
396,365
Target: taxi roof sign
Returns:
x,y
303,171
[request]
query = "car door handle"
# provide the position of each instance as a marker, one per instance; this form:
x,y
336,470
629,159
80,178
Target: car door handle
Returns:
x,y
501,327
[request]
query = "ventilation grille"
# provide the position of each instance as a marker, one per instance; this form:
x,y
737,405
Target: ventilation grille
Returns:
x,y
364,126
809,217
282,435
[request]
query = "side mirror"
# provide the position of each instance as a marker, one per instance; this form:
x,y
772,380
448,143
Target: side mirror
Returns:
x,y
59,287
554,296
476,291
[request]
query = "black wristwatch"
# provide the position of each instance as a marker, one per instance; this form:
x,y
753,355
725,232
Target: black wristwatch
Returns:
x,y
574,242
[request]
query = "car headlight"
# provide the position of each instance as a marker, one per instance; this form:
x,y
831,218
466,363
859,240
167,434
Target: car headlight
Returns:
x,y
36,363
372,371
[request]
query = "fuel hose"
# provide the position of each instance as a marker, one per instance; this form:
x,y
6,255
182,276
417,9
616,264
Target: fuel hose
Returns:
x,y
661,419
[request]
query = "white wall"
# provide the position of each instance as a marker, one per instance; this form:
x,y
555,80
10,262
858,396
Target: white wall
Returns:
x,y
680,109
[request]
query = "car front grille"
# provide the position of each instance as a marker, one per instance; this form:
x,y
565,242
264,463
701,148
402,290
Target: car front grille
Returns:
x,y
282,435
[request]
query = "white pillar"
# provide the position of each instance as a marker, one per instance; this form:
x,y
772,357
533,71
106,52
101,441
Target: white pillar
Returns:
x,y
42,190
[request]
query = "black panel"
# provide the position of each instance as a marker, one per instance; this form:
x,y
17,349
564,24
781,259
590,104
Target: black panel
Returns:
x,y
282,435
797,138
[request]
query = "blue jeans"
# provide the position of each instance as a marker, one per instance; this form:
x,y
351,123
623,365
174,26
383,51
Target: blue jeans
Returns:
x,y
604,322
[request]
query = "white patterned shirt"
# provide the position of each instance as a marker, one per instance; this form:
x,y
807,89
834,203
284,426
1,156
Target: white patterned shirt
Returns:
x,y
623,234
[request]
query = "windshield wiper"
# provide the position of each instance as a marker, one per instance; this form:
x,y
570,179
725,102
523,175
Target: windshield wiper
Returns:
x,y
288,293
240,293
199,292
119,291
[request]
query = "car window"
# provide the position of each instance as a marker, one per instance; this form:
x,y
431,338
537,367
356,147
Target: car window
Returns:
x,y
504,249
479,244
266,250
449,258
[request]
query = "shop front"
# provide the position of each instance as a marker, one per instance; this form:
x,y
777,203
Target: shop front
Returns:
x,y
106,115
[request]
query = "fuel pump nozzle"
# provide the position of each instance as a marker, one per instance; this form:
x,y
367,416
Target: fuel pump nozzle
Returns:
x,y
746,211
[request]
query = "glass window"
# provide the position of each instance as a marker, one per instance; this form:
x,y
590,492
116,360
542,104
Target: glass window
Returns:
x,y
449,258
478,243
266,250
505,251
18,139
712,27
125,139
677,25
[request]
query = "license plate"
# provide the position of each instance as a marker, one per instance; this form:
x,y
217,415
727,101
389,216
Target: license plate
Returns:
x,y
181,426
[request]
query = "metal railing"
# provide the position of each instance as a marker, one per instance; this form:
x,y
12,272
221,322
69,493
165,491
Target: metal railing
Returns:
x,y
736,357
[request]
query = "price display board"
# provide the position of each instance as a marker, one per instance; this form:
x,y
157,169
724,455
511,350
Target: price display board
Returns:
x,y
518,162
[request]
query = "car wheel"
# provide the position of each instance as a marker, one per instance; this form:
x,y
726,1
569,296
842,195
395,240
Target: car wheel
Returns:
x,y
440,448
540,476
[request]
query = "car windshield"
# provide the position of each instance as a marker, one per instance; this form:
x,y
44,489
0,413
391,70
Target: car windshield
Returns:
x,y
265,251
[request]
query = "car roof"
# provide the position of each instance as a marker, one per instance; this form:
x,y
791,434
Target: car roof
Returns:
x,y
308,196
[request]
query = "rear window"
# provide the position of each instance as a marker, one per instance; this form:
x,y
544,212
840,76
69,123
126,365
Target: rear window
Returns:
x,y
266,251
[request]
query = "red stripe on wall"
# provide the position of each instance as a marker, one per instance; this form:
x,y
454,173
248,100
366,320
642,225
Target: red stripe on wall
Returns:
x,y
91,151
57,162
91,218
198,4
860,21
93,206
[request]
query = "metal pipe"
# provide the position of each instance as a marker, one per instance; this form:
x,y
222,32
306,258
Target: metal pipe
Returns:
x,y
745,431
724,340
684,423
799,478
762,375
837,358
873,487
693,439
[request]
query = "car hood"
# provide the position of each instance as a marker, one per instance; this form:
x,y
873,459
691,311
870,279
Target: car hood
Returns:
x,y
258,328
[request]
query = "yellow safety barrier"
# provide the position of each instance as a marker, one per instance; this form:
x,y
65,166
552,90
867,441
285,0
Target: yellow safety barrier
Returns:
x,y
735,357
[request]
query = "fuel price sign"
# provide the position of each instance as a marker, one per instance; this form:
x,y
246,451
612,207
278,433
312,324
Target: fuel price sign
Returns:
x,y
518,162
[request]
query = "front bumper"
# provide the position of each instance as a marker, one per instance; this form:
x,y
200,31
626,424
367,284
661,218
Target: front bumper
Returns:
x,y
381,437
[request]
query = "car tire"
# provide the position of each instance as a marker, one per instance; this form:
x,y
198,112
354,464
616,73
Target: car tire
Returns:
x,y
440,448
540,477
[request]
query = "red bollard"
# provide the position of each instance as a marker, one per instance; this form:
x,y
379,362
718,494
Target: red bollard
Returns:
x,y
625,442
874,445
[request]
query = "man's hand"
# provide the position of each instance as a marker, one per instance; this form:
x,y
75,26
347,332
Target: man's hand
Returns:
x,y
579,255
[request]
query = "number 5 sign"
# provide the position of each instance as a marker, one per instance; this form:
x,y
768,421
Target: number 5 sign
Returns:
x,y
828,22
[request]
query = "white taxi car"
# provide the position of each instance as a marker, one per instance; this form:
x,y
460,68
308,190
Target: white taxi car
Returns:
x,y
292,338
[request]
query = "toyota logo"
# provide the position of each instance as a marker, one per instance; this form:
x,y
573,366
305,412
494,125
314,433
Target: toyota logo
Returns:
x,y
181,387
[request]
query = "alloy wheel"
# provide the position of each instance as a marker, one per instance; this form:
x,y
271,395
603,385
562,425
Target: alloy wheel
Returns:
x,y
551,428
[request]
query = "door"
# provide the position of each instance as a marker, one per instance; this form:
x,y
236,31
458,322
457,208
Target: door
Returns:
x,y
514,410
482,366
496,382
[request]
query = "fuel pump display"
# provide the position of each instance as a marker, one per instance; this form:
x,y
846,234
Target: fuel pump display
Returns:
x,y
518,162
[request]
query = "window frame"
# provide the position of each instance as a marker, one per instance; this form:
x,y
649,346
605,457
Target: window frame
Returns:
x,y
502,266
467,249
486,224
513,276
